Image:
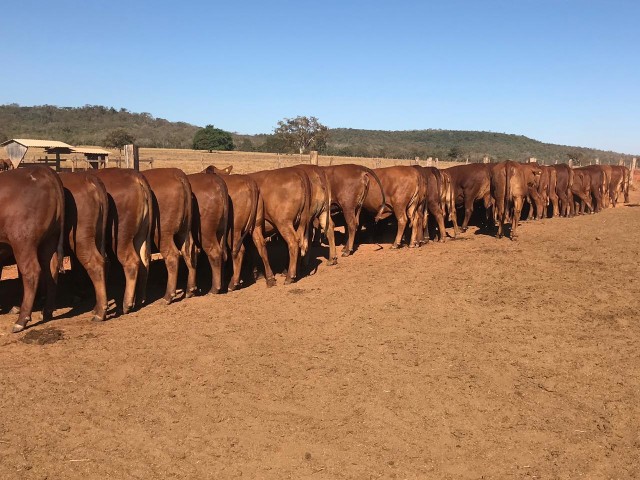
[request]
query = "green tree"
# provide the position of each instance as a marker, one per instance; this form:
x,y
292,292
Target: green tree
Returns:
x,y
303,133
211,138
118,138
245,145
455,153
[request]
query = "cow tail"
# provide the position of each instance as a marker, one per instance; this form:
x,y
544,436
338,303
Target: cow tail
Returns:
x,y
147,212
100,195
189,246
383,205
61,216
507,192
305,215
327,200
251,221
225,219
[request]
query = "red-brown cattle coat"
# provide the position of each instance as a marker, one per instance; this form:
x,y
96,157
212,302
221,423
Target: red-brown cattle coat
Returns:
x,y
321,198
349,185
511,182
581,190
599,185
470,183
405,194
86,210
32,226
436,201
172,216
564,183
283,207
616,186
244,197
210,222
547,190
129,228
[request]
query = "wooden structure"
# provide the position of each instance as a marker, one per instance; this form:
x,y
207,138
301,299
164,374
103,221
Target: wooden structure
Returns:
x,y
16,149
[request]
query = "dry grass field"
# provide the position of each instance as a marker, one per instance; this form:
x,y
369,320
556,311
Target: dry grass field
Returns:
x,y
478,358
192,161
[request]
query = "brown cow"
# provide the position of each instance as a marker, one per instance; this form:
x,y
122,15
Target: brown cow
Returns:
x,y
172,216
243,205
547,190
564,183
285,204
210,221
511,182
470,183
321,206
129,229
616,186
438,197
581,190
349,185
5,164
405,194
32,225
599,185
86,211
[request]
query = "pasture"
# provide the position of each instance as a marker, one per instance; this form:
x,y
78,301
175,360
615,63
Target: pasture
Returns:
x,y
477,358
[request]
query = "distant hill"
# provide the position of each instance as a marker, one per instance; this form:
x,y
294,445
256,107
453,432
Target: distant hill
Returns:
x,y
89,125
446,144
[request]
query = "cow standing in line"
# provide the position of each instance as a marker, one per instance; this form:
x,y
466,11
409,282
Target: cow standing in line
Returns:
x,y
129,229
32,229
86,211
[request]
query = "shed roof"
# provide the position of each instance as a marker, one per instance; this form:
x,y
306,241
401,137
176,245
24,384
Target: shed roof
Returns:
x,y
28,142
90,150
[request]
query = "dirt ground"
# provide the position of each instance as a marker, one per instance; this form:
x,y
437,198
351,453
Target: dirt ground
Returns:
x,y
479,358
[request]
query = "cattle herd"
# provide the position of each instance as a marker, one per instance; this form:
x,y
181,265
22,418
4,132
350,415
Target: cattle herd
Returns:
x,y
123,215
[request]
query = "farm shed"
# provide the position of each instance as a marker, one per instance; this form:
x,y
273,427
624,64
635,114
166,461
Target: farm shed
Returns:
x,y
16,148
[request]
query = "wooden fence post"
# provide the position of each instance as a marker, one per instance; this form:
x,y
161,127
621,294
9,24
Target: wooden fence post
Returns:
x,y
597,161
485,159
132,157
633,169
571,163
313,157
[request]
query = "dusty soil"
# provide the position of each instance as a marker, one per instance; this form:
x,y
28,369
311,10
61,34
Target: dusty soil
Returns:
x,y
480,358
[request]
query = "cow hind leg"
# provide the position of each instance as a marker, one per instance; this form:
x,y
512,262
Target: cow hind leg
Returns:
x,y
237,268
214,254
261,246
189,255
331,238
29,267
468,211
290,237
401,216
351,223
171,256
94,263
48,259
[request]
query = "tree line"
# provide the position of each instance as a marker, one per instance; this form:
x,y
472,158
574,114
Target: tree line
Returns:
x,y
110,127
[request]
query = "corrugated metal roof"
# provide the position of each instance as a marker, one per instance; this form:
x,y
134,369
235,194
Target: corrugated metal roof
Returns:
x,y
28,142
90,150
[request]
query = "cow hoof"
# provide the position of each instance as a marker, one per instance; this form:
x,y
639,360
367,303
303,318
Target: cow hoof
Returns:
x,y
213,291
126,309
395,246
97,318
169,299
15,310
289,281
346,253
189,294
47,315
332,261
271,282
17,328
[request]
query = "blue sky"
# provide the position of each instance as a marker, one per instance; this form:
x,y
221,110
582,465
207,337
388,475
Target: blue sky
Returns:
x,y
562,71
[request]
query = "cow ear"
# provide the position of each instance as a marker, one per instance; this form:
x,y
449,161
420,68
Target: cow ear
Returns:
x,y
228,169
